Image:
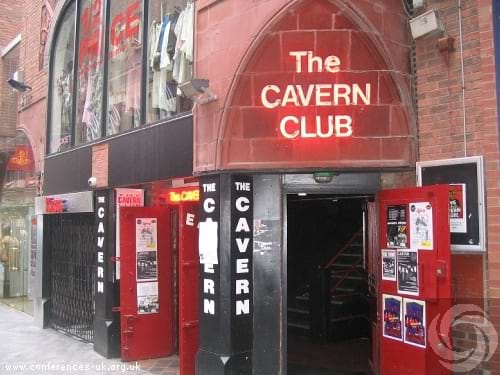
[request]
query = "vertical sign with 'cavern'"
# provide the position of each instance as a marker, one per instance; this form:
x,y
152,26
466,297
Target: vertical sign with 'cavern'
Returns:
x,y
101,208
106,340
241,261
209,262
226,292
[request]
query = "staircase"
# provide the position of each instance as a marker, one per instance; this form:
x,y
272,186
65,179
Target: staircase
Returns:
x,y
338,295
349,309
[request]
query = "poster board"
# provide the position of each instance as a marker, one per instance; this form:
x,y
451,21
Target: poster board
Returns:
x,y
469,237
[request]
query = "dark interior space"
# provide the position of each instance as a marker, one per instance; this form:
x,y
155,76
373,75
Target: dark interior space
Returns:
x,y
328,308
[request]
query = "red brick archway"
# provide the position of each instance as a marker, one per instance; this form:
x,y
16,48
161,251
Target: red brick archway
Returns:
x,y
383,131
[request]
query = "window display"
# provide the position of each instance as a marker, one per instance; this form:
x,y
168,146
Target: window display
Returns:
x,y
125,62
62,83
170,56
90,71
146,60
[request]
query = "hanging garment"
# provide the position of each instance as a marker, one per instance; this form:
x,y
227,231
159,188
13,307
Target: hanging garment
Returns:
x,y
154,37
167,92
92,110
114,118
165,60
133,84
164,24
172,38
184,48
177,54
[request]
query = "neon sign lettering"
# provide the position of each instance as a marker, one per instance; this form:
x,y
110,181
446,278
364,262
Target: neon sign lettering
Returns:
x,y
319,95
192,195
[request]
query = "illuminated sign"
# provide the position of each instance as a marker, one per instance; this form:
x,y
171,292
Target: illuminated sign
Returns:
x,y
319,95
55,205
183,195
21,160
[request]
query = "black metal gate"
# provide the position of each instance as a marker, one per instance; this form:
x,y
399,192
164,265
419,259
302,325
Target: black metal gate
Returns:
x,y
71,245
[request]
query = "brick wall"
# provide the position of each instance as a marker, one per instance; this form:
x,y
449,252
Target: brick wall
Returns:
x,y
441,130
10,17
32,104
24,111
8,96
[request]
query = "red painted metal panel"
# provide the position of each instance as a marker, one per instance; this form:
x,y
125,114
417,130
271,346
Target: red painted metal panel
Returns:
x,y
397,357
188,287
145,336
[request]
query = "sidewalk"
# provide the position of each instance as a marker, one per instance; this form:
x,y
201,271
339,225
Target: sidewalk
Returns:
x,y
27,349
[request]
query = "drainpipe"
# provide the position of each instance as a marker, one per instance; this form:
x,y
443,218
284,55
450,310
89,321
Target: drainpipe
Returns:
x,y
464,110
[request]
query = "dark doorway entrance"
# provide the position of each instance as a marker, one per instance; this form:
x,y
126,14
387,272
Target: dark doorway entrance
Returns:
x,y
328,308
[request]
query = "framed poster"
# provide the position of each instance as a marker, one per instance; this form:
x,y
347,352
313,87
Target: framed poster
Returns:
x,y
146,246
421,226
408,279
397,235
147,298
458,208
146,235
147,265
415,327
389,264
393,312
470,235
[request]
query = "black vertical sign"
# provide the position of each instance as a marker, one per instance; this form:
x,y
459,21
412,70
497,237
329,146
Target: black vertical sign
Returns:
x,y
101,213
209,273
106,329
241,262
226,247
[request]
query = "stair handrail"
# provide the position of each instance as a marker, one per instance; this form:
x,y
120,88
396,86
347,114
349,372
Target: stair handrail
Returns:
x,y
342,250
346,274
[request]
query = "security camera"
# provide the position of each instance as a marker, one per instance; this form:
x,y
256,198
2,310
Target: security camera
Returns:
x,y
17,82
92,182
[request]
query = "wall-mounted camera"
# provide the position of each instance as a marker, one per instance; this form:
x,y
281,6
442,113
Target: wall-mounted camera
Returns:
x,y
92,182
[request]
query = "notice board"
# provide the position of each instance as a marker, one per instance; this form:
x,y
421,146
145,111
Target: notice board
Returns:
x,y
466,172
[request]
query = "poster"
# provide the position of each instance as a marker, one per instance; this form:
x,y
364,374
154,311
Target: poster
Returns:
x,y
125,198
147,298
208,242
415,325
147,267
393,311
407,263
458,209
397,235
421,227
146,234
389,264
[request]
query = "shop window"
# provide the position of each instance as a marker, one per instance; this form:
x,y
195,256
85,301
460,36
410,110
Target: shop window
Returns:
x,y
170,57
62,83
90,71
125,62
128,93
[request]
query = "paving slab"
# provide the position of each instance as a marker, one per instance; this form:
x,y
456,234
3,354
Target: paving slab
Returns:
x,y
28,349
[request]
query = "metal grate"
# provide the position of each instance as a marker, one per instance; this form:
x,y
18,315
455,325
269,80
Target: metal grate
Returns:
x,y
71,242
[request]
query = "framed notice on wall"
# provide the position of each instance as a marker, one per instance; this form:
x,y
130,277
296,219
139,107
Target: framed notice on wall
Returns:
x,y
467,212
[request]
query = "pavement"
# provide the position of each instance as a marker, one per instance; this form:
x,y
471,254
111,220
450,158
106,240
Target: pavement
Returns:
x,y
27,349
